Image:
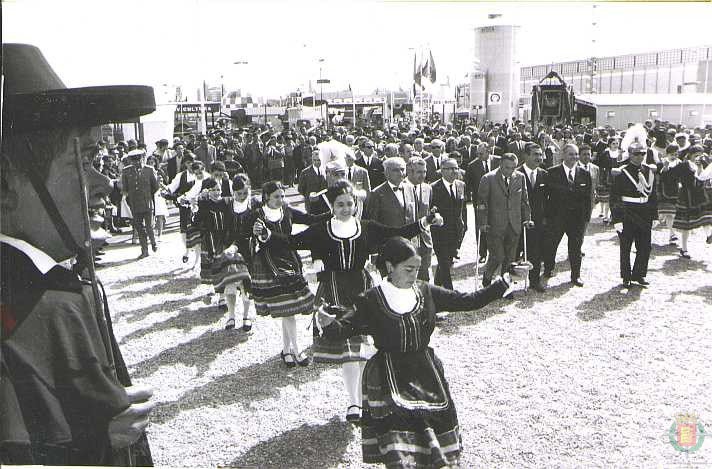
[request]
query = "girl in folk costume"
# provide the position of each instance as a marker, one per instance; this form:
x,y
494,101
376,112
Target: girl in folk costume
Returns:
x,y
238,234
160,207
344,243
178,191
278,285
610,158
409,418
694,205
668,188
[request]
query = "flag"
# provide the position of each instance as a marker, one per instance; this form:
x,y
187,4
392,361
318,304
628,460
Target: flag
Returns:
x,y
431,68
350,88
416,70
493,16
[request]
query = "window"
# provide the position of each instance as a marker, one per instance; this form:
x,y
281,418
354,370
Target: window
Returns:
x,y
624,61
645,59
689,55
610,114
669,57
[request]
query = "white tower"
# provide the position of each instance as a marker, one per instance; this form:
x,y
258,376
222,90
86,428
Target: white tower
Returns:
x,y
496,52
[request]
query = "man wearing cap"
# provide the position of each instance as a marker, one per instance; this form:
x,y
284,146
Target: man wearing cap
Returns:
x,y
138,184
634,207
65,394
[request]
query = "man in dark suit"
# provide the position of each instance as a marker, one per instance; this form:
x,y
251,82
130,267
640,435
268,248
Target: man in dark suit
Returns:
x,y
138,184
434,161
494,149
422,193
448,195
312,180
634,207
537,191
370,161
205,152
475,170
502,210
568,210
517,145
468,151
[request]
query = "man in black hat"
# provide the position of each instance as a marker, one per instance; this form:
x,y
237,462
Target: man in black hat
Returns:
x,y
162,153
65,394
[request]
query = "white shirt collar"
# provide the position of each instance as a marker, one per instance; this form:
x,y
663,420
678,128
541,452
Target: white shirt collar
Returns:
x,y
344,229
39,258
447,184
400,300
528,169
240,207
394,187
272,214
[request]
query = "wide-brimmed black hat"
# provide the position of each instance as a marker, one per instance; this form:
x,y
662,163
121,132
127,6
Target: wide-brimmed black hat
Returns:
x,y
34,98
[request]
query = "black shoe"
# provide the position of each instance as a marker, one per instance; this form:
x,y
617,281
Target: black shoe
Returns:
x,y
222,307
185,259
577,282
486,282
583,254
548,273
626,283
143,255
641,281
709,239
246,325
99,252
483,259
304,360
509,297
230,325
353,417
684,254
154,247
291,363
538,287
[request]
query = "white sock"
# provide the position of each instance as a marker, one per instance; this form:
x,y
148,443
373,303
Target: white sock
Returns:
x,y
352,380
289,335
230,301
684,235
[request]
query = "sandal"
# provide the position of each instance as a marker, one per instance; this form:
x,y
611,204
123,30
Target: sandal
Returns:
x,y
353,417
246,325
284,356
684,254
230,324
185,259
303,361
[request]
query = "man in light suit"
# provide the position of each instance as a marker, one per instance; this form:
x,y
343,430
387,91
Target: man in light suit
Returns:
x,y
477,168
370,161
311,180
537,192
422,193
357,175
448,195
585,155
390,204
502,209
434,161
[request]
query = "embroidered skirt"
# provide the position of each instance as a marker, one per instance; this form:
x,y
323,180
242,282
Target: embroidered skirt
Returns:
x,y
279,295
341,288
223,270
399,439
694,209
192,236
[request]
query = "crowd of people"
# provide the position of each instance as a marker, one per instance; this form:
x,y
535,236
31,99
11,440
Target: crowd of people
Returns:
x,y
411,185
391,199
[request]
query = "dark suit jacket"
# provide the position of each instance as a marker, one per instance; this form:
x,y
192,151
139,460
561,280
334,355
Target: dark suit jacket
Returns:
x,y
433,173
309,182
226,190
447,238
383,206
474,173
567,202
517,148
538,195
139,185
468,154
206,154
173,166
375,170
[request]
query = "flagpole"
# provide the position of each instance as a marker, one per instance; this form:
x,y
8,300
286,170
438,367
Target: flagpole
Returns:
x,y
353,106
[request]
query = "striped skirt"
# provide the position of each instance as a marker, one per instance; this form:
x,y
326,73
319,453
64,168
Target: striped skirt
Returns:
x,y
279,295
398,441
693,210
221,271
341,288
192,236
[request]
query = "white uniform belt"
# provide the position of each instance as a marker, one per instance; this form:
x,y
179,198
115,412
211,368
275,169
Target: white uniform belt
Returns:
x,y
635,200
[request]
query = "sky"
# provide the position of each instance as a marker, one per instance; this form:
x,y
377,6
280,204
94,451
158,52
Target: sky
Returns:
x,y
364,44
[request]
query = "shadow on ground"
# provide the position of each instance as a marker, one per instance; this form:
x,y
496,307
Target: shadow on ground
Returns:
x,y
182,285
199,352
672,267
185,320
146,278
705,292
611,300
307,446
254,383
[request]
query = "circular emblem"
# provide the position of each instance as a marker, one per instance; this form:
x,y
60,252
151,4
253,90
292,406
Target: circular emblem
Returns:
x,y
686,436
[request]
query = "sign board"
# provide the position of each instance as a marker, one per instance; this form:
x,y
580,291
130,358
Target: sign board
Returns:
x,y
323,81
494,98
195,108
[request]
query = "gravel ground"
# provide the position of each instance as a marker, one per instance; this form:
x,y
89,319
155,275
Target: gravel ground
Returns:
x,y
574,377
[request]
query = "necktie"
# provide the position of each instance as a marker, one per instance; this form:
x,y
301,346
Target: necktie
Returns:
x,y
349,173
571,177
532,179
506,182
437,163
452,191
